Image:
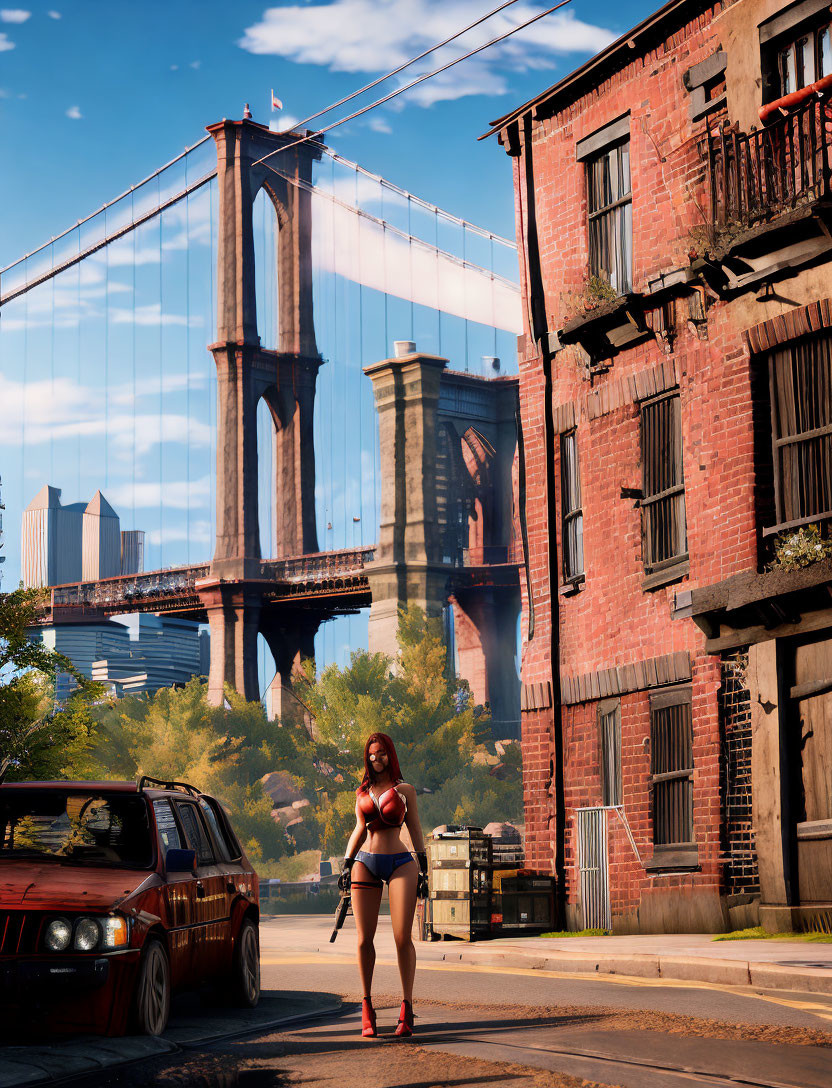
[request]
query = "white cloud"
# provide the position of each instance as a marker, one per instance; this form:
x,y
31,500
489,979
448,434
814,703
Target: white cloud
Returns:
x,y
14,15
372,35
199,532
174,67
378,124
54,14
5,44
177,494
74,113
282,122
195,64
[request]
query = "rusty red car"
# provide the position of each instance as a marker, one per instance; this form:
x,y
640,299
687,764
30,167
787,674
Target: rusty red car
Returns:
x,y
115,895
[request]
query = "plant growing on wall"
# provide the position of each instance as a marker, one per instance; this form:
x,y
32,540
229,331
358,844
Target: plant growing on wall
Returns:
x,y
798,548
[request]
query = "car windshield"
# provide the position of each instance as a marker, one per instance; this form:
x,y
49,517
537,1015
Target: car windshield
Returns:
x,y
92,828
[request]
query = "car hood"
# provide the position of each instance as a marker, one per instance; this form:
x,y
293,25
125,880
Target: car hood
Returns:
x,y
36,885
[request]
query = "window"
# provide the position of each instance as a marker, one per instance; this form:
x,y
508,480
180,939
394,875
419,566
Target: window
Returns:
x,y
663,526
796,48
169,835
196,833
609,721
228,850
800,379
671,767
572,518
610,214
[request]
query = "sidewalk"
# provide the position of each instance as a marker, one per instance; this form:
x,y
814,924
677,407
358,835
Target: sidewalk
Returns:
x,y
77,1056
690,957
770,965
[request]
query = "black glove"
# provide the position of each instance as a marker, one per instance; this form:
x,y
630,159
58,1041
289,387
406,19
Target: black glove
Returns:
x,y
345,879
422,888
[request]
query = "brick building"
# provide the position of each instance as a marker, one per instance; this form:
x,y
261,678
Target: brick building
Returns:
x,y
673,213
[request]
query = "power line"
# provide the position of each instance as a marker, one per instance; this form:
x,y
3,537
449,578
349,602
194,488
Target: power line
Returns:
x,y
401,68
412,84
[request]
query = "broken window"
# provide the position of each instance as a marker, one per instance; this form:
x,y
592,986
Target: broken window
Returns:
x,y
610,214
664,529
800,377
609,720
671,767
572,515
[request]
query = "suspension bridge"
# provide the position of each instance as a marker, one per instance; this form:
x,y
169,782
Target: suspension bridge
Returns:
x,y
214,351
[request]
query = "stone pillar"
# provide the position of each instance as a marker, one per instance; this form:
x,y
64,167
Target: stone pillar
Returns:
x,y
407,568
292,405
290,640
769,787
485,633
233,619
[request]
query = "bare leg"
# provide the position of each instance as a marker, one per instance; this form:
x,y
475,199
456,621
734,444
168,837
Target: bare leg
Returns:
x,y
402,907
365,904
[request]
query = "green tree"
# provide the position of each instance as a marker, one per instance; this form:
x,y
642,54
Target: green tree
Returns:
x,y
38,740
443,745
176,735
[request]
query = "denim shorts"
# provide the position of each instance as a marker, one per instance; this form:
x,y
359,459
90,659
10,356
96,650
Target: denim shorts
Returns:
x,y
382,866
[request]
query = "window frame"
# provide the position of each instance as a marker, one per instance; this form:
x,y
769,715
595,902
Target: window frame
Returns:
x,y
684,853
661,571
780,38
610,797
571,578
780,441
179,805
620,277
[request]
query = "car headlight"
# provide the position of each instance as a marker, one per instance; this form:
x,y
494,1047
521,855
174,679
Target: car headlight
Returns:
x,y
116,932
58,935
86,935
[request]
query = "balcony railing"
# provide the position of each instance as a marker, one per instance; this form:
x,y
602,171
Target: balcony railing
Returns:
x,y
758,175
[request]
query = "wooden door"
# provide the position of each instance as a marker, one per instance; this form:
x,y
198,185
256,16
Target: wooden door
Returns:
x,y
812,699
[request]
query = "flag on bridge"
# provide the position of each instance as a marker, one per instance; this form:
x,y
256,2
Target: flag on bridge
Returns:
x,y
276,103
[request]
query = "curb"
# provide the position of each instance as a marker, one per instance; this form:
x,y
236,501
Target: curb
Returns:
x,y
769,976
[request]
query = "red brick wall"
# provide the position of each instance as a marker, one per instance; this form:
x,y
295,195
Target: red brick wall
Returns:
x,y
613,620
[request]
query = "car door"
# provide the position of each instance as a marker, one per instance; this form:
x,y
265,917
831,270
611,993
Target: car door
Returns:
x,y
179,895
210,924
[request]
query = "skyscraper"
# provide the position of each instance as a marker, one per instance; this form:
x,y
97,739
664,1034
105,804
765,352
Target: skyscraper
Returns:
x,y
61,544
51,540
101,554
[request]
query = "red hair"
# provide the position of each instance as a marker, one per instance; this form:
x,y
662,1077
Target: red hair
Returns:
x,y
393,768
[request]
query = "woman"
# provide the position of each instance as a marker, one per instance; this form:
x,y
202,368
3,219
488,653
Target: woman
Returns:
x,y
384,803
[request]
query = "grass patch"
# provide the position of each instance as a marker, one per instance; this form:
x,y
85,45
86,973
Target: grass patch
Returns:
x,y
757,933
579,933
291,868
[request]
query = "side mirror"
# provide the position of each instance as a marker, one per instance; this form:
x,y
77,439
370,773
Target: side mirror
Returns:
x,y
180,861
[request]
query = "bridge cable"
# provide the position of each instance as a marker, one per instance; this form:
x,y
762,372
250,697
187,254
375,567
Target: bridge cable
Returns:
x,y
401,68
409,86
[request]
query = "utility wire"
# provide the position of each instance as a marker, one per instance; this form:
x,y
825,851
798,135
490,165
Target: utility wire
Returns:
x,y
413,83
401,68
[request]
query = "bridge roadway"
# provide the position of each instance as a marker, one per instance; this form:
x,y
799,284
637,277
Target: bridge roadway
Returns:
x,y
332,582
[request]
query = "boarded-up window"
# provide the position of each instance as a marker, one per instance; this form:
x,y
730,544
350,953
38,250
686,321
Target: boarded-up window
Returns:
x,y
800,375
610,212
572,514
609,721
671,766
664,529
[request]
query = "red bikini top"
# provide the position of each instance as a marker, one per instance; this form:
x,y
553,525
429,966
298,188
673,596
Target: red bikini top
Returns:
x,y
388,810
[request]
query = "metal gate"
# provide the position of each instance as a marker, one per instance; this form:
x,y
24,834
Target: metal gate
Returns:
x,y
593,863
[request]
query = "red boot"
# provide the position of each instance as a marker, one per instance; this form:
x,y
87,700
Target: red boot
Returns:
x,y
405,1024
368,1019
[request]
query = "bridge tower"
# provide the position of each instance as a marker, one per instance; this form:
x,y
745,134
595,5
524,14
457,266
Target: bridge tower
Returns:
x,y
284,376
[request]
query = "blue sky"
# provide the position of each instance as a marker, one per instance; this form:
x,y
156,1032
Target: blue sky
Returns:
x,y
95,95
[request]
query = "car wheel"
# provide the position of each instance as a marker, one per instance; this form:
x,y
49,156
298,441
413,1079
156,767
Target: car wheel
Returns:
x,y
152,998
246,972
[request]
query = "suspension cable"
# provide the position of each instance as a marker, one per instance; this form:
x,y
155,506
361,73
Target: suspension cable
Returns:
x,y
413,83
401,68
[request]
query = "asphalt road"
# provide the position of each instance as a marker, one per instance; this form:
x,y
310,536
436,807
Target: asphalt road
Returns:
x,y
482,1025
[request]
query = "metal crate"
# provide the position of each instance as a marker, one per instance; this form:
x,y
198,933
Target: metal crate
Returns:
x,y
459,876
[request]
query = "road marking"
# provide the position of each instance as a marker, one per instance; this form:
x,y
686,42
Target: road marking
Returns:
x,y
823,1012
